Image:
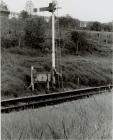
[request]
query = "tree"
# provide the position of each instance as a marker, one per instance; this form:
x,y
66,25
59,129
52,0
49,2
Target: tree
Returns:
x,y
107,27
95,26
79,41
23,15
68,22
35,32
17,30
15,33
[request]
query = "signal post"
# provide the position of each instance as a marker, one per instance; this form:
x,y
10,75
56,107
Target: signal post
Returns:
x,y
51,8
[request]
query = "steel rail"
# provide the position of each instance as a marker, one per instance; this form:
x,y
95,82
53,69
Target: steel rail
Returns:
x,y
42,100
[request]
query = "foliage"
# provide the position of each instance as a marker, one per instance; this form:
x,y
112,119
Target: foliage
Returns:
x,y
79,37
14,34
107,27
7,42
76,43
95,26
35,32
23,15
68,22
26,31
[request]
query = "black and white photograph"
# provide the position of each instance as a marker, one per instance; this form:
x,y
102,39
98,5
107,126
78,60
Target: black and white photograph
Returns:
x,y
56,69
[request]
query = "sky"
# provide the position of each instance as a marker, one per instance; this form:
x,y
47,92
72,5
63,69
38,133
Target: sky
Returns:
x,y
85,10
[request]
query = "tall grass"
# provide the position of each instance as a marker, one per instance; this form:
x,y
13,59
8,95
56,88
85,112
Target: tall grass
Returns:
x,y
15,67
80,120
92,71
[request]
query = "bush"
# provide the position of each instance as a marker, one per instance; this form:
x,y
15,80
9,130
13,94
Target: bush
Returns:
x,y
25,51
35,32
95,26
76,42
68,22
7,43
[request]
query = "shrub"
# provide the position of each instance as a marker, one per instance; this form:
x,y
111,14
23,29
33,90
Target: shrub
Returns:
x,y
76,42
35,32
7,43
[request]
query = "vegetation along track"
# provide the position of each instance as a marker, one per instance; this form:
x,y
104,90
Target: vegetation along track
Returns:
x,y
49,99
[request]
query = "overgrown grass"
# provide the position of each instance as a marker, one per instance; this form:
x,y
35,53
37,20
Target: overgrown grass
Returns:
x,y
85,119
25,51
16,62
91,70
15,67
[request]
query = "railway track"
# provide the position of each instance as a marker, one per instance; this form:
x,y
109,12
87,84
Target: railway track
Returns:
x,y
49,99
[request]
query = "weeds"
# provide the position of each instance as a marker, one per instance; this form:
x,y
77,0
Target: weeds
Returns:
x,y
54,133
80,120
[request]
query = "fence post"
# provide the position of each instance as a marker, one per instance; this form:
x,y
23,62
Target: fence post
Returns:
x,y
32,81
78,80
48,82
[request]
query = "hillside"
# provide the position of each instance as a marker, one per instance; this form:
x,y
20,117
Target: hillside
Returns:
x,y
93,68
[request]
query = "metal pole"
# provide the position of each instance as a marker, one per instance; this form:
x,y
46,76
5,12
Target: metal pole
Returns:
x,y
53,47
53,41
